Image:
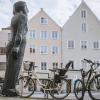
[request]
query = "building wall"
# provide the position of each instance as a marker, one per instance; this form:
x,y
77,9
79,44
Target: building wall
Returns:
x,y
35,25
72,30
3,43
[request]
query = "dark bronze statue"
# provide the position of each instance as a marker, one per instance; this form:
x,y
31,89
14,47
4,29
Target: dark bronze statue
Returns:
x,y
15,48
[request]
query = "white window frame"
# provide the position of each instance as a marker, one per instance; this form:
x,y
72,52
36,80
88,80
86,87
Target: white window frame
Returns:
x,y
45,21
84,27
83,13
43,35
82,45
97,47
33,47
32,34
54,50
54,35
55,64
42,51
44,67
69,46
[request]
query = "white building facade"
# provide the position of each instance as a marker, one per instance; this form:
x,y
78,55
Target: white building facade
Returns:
x,y
81,39
4,34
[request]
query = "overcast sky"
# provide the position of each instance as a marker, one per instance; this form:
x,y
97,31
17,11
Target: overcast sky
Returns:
x,y
58,10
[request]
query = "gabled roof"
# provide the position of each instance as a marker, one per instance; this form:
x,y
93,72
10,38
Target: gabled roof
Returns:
x,y
83,3
42,10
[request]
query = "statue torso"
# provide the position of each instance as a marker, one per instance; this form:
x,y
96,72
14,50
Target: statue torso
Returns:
x,y
19,24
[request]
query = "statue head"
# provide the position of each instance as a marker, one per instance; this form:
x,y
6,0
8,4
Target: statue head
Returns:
x,y
20,6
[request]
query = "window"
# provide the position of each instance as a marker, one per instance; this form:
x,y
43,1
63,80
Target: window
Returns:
x,y
27,66
84,44
9,36
54,50
44,20
96,45
43,49
83,28
54,35
43,66
70,44
43,35
83,13
32,34
32,49
2,50
55,65
2,65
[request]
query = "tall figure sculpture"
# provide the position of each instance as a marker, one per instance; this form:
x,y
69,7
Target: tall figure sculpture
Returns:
x,y
15,48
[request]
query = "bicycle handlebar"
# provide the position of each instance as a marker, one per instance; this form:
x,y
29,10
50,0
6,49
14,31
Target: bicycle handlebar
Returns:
x,y
93,63
89,61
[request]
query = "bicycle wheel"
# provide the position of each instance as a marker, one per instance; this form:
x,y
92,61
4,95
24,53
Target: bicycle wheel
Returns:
x,y
94,88
25,86
60,90
79,89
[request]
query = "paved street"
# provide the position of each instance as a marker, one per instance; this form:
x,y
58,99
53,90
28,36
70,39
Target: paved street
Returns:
x,y
41,97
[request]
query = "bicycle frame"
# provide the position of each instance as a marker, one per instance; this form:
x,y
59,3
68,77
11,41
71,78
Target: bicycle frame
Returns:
x,y
91,74
43,86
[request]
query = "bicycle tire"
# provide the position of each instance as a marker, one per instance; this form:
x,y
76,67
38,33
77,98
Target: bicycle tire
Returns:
x,y
81,89
91,89
64,93
25,86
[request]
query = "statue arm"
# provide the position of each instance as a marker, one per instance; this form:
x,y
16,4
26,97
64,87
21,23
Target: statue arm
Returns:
x,y
21,29
22,21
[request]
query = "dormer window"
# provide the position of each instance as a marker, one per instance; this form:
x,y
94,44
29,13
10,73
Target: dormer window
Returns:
x,y
83,13
43,20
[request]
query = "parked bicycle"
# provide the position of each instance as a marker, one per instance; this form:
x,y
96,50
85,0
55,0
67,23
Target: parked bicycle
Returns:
x,y
57,86
92,84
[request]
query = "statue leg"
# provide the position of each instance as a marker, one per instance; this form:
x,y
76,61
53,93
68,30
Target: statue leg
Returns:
x,y
12,72
19,61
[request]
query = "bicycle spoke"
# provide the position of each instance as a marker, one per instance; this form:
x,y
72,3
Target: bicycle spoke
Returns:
x,y
25,87
61,89
79,89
